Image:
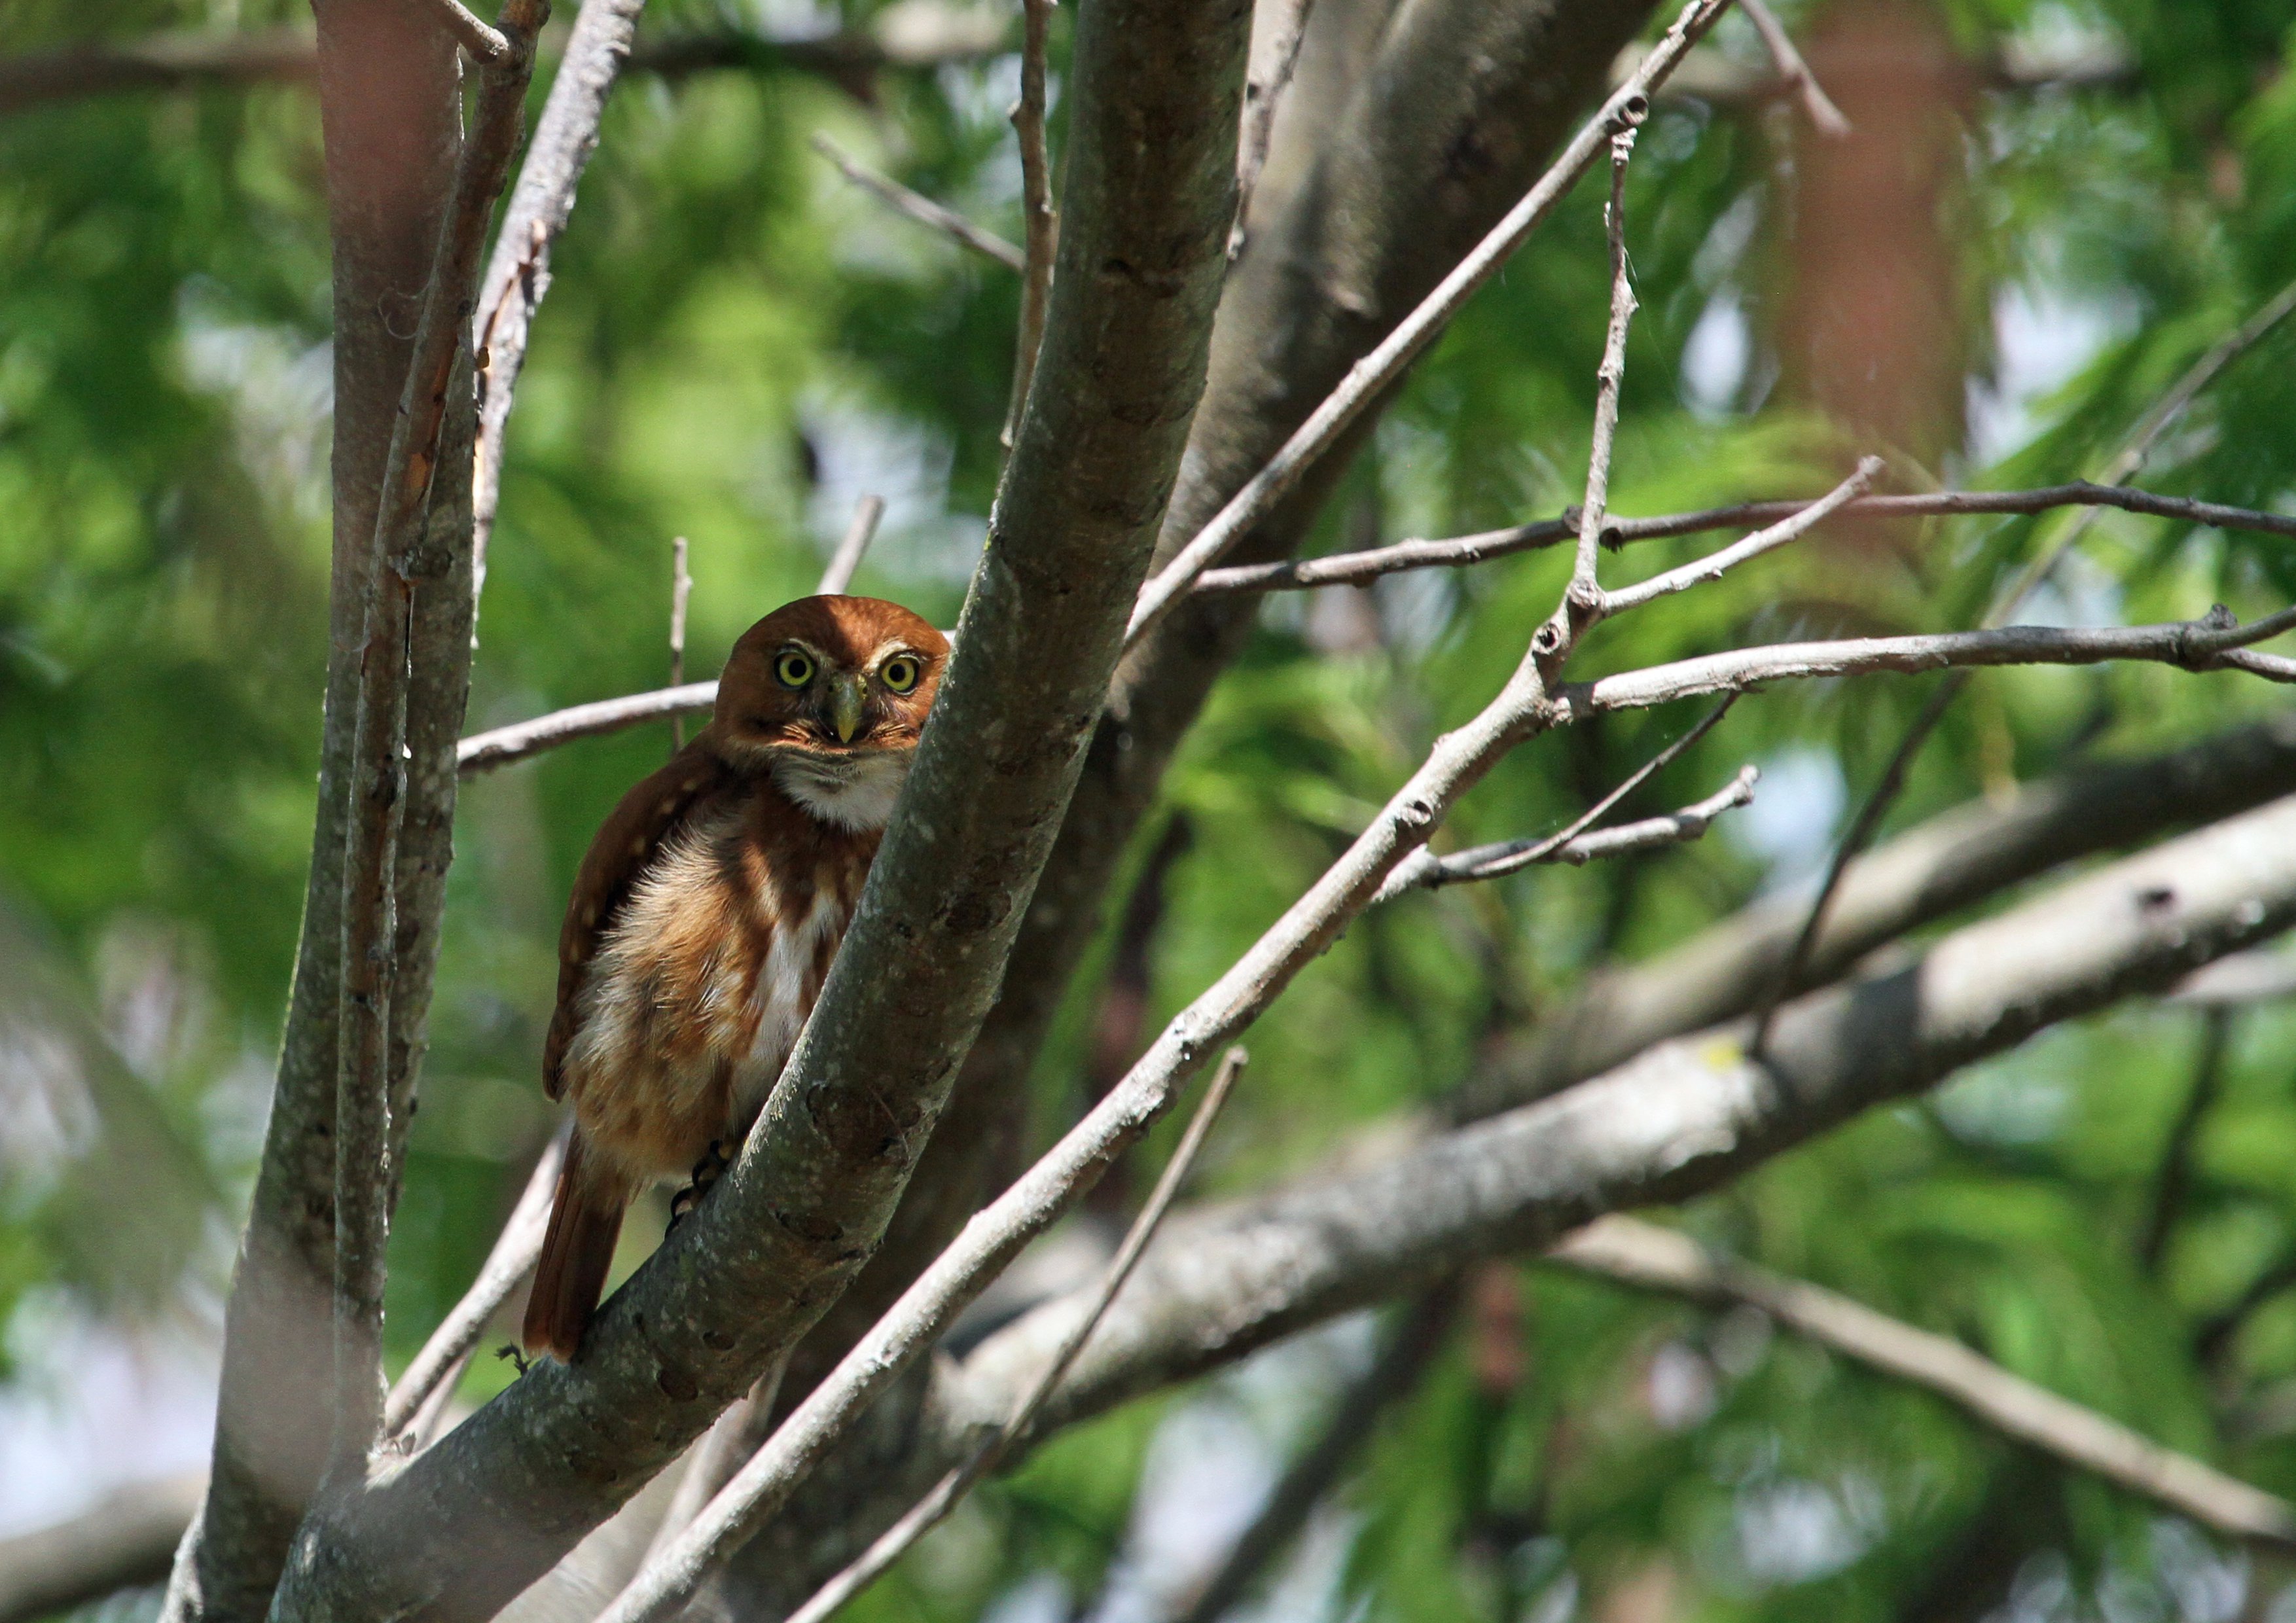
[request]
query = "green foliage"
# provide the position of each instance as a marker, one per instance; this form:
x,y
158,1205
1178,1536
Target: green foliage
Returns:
x,y
737,345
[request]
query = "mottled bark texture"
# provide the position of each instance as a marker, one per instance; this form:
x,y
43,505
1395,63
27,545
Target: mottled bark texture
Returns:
x,y
1155,101
1408,132
1945,864
391,115
1674,1122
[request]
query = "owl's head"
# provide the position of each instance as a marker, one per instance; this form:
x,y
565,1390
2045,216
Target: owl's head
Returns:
x,y
830,694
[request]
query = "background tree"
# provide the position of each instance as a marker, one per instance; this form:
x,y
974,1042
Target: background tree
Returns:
x,y
2049,246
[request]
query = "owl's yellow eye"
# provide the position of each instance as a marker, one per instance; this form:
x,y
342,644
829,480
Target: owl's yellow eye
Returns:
x,y
794,668
899,673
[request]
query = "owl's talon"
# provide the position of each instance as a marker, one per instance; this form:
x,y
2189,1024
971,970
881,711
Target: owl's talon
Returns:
x,y
707,1171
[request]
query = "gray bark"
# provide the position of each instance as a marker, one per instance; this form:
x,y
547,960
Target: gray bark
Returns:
x,y
1673,1123
1676,1122
463,1526
1408,132
1935,870
391,113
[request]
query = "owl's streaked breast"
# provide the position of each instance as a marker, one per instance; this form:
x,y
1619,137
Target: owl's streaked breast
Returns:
x,y
700,987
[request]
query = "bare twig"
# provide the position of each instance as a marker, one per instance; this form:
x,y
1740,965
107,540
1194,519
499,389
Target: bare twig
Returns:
x,y
1041,226
681,587
1261,93
922,208
2190,644
1646,835
1627,107
1716,565
1423,868
363,1181
988,1242
287,54
1795,72
1584,600
518,274
2126,463
485,44
1359,568
485,752
1659,1259
929,1511
512,1258
868,515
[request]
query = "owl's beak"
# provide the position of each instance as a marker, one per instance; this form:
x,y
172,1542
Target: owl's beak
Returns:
x,y
844,706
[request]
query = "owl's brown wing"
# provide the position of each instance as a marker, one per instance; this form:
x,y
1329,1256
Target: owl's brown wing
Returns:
x,y
648,816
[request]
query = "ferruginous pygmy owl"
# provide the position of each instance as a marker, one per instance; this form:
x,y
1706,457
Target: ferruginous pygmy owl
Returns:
x,y
705,915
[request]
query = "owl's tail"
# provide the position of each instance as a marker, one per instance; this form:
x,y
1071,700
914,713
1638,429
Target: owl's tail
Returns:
x,y
585,1218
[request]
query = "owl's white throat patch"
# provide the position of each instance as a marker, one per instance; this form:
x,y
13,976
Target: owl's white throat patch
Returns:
x,y
855,791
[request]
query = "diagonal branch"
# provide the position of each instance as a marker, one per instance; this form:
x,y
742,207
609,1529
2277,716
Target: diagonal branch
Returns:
x,y
1040,225
922,208
518,274
931,1511
466,1524
868,512
399,563
447,1352
2190,645
1677,1121
1360,569
1371,376
1423,868
1794,71
1653,1258
1952,862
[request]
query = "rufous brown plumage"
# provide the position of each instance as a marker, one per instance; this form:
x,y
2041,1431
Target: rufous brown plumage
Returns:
x,y
704,918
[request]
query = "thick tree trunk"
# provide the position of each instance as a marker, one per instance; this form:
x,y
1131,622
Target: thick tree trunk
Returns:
x,y
391,113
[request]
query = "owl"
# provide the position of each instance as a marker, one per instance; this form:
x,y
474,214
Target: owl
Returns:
x,y
705,915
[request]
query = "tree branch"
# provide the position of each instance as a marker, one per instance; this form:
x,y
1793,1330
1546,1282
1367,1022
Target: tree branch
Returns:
x,y
922,208
400,562
1360,569
467,1523
1262,91
1653,1258
489,46
934,1508
1040,225
518,272
1423,868
1676,1122
868,515
512,1258
289,55
390,110
1484,861
1794,71
2189,644
1952,862
1387,361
